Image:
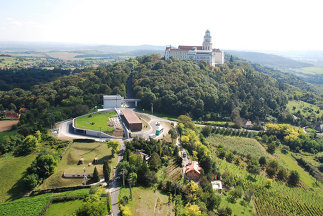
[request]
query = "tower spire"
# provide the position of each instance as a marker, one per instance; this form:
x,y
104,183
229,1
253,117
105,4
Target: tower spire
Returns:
x,y
207,42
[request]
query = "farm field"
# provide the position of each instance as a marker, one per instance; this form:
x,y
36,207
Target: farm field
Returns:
x,y
33,205
6,125
305,109
12,169
241,145
144,202
96,121
69,163
271,201
310,70
64,208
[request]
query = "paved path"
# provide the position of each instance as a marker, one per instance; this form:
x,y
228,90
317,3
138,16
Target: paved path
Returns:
x,y
115,184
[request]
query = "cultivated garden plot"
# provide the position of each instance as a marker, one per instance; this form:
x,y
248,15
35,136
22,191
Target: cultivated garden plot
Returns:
x,y
7,124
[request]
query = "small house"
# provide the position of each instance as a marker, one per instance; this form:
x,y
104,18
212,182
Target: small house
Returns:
x,y
11,115
193,171
216,185
142,155
248,124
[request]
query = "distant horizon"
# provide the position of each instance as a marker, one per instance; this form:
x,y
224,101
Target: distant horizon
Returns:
x,y
151,45
239,25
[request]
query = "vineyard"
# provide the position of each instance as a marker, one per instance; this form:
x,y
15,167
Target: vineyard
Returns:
x,y
173,172
279,199
277,203
241,145
33,205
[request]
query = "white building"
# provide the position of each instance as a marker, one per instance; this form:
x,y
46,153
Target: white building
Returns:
x,y
112,101
197,53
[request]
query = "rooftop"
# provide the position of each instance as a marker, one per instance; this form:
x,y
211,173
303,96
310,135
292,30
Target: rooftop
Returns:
x,y
130,116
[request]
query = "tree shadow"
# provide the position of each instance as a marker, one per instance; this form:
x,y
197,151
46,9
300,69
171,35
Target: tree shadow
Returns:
x,y
250,178
18,190
104,159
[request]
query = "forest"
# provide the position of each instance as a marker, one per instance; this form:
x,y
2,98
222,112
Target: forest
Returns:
x,y
186,87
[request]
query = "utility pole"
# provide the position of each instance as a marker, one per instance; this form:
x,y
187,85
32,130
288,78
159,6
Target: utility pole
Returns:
x,y
123,177
130,182
100,134
152,108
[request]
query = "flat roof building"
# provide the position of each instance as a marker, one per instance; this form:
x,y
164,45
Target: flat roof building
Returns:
x,y
112,101
131,119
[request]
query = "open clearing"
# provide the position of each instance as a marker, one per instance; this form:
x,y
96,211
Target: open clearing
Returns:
x,y
241,145
290,163
96,121
69,163
304,108
144,202
12,169
7,124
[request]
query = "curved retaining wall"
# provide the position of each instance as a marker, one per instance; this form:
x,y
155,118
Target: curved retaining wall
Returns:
x,y
89,132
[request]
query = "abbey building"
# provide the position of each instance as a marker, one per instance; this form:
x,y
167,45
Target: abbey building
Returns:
x,y
197,53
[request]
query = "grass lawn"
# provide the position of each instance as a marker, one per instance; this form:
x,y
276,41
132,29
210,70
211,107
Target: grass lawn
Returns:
x,y
240,144
305,108
96,121
8,133
64,208
144,202
69,163
12,169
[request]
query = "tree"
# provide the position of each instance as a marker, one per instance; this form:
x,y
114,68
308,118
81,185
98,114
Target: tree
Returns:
x,y
221,153
45,164
272,168
206,131
173,133
293,178
28,145
192,210
106,171
96,177
262,161
114,145
93,206
155,161
12,107
271,148
30,181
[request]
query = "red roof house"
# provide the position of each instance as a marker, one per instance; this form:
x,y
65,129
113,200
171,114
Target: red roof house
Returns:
x,y
193,171
11,115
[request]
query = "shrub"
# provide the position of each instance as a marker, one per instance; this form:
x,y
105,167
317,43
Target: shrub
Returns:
x,y
282,174
293,178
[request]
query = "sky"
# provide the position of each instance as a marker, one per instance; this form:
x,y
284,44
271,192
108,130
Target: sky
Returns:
x,y
234,24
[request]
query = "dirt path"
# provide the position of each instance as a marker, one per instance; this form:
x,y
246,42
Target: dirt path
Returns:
x,y
7,124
